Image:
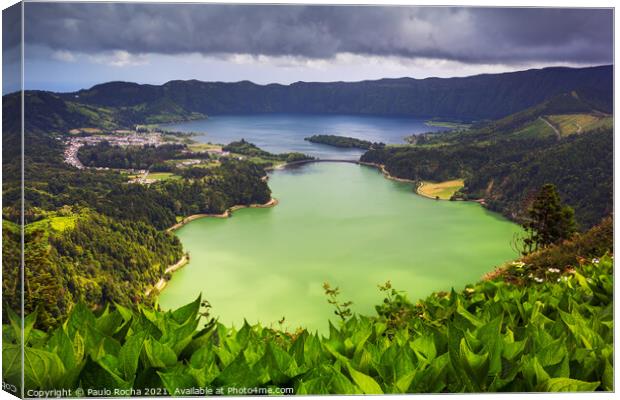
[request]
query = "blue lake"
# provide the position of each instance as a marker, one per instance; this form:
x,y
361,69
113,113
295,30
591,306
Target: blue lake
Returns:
x,y
280,133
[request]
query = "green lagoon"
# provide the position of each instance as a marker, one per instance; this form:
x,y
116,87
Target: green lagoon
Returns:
x,y
341,223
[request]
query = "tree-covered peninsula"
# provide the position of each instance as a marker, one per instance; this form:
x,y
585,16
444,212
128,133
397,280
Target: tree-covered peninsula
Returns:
x,y
343,141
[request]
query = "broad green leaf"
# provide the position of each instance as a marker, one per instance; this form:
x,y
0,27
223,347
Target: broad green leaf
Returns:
x,y
11,363
125,312
202,357
204,375
159,355
342,385
490,334
179,337
366,383
187,312
61,345
608,377
239,374
41,369
110,322
567,385
129,355
16,323
404,382
280,365
534,372
476,365
80,319
178,383
424,348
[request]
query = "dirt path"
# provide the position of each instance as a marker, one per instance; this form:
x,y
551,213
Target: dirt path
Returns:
x,y
557,132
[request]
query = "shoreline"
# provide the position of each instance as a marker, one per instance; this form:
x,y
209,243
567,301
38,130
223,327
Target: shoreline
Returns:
x,y
162,282
226,214
387,175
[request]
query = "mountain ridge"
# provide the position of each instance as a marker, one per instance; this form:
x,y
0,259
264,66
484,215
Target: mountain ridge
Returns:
x,y
472,98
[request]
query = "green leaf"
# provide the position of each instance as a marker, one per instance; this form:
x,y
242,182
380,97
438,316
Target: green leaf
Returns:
x,y
534,372
424,348
187,312
80,320
16,323
342,385
490,334
41,369
178,383
159,355
110,322
11,362
239,374
61,345
280,365
366,383
475,321
567,385
404,382
203,357
608,377
476,365
312,350
129,355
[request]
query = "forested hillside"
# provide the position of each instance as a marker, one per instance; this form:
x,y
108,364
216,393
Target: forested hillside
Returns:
x,y
90,235
489,96
505,162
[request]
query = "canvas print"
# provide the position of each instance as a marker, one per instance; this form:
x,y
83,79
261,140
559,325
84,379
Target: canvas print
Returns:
x,y
298,199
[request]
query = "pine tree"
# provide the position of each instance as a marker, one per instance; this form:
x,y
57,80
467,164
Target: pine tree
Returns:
x,y
549,221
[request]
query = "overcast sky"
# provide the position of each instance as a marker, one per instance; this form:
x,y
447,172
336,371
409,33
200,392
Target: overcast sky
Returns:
x,y
72,46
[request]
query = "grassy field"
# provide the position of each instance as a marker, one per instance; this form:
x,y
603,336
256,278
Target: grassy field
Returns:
x,y
441,190
576,123
535,129
447,124
204,146
56,223
162,176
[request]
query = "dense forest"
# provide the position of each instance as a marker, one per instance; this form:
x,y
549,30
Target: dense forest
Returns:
x,y
343,141
251,150
90,235
489,96
104,154
80,255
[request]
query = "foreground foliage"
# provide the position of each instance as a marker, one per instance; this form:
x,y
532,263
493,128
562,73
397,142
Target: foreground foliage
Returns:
x,y
493,336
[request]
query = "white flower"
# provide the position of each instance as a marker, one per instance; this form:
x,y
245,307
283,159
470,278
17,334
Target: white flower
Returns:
x,y
595,260
539,280
555,270
559,279
530,275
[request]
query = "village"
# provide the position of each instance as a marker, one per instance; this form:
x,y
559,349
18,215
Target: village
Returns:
x,y
133,138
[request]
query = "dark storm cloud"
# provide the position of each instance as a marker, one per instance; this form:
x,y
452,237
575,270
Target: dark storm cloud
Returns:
x,y
462,34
